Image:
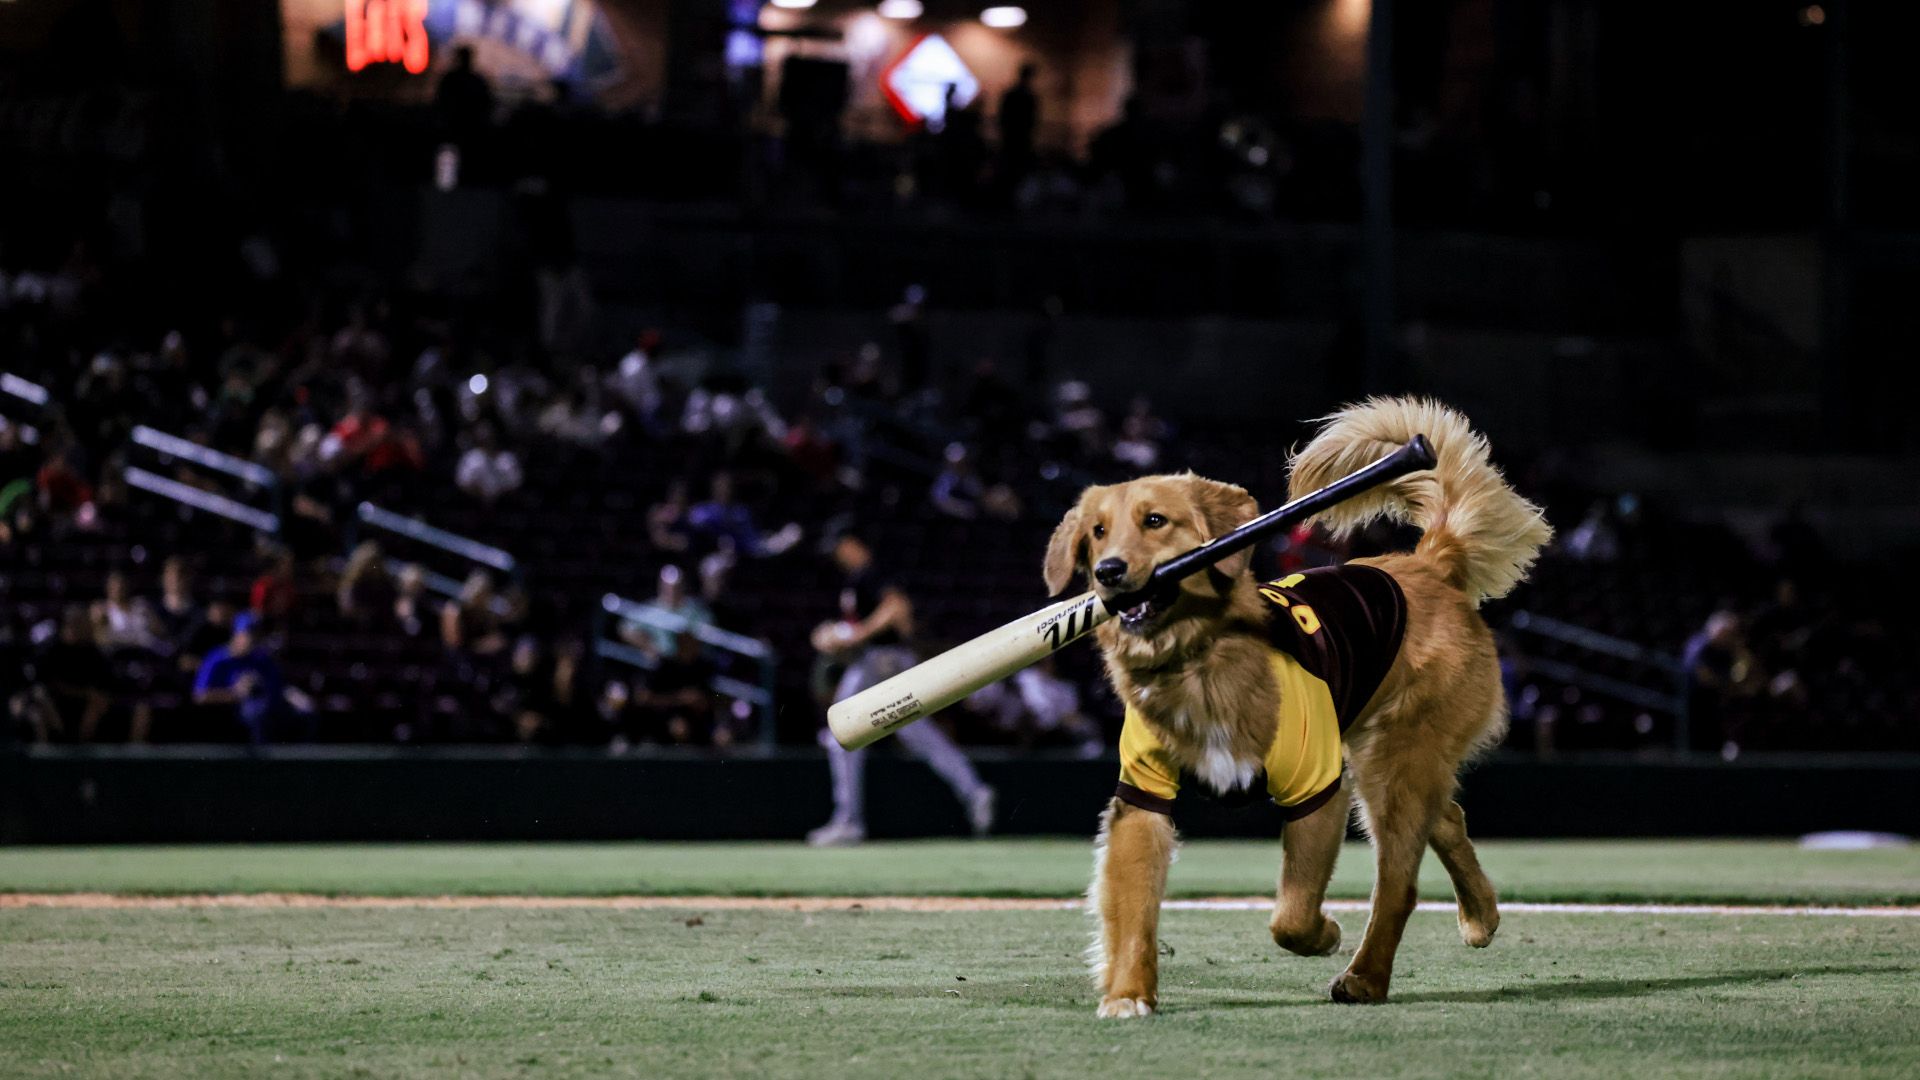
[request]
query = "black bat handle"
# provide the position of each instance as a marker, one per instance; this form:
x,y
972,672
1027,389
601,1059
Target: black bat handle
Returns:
x,y
1416,454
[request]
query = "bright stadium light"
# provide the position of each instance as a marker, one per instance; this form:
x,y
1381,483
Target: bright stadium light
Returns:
x,y
901,9
1004,18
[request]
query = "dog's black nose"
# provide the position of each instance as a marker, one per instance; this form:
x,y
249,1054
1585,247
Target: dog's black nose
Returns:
x,y
1110,571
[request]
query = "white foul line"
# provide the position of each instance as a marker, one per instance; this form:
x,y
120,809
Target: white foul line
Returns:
x,y
1509,907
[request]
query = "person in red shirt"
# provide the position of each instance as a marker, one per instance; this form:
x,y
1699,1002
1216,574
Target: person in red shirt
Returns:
x,y
274,594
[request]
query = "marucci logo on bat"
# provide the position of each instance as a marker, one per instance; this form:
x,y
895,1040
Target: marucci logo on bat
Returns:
x,y
895,711
1067,625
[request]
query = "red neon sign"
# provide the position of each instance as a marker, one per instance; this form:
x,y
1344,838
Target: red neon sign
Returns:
x,y
380,31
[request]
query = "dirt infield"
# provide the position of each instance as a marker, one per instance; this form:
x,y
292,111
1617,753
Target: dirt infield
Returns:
x,y
98,900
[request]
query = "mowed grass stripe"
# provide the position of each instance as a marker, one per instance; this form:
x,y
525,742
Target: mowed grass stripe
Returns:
x,y
1605,872
924,904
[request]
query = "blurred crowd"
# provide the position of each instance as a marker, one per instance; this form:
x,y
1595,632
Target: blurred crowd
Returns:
x,y
361,397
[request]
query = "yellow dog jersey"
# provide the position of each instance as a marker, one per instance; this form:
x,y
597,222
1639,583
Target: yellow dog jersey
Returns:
x,y
1334,634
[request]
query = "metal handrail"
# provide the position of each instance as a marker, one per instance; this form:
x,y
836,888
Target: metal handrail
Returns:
x,y
725,684
661,619
413,529
1594,641
231,509
754,649
250,471
22,389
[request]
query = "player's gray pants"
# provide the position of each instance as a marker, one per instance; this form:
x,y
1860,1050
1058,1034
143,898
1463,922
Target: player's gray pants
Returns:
x,y
926,741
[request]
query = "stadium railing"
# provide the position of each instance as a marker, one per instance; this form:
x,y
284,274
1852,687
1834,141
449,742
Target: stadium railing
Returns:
x,y
614,609
1665,667
432,536
257,479
30,392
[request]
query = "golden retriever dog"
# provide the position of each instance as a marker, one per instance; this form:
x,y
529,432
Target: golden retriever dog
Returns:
x,y
1367,683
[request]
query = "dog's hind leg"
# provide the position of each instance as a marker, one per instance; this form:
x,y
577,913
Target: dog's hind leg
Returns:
x,y
1402,797
1479,907
1311,845
1129,880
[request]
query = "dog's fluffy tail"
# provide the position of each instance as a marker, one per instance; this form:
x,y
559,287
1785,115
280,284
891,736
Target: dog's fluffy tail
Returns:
x,y
1479,531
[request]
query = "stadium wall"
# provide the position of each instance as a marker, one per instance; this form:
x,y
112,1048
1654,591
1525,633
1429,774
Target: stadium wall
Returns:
x,y
202,794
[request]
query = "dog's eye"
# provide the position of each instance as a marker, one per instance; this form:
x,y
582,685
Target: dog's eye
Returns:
x,y
1099,532
1153,521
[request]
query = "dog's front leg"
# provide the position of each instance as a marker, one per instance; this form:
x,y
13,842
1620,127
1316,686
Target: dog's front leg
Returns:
x,y
1129,878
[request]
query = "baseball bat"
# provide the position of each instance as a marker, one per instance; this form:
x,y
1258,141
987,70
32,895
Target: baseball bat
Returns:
x,y
932,685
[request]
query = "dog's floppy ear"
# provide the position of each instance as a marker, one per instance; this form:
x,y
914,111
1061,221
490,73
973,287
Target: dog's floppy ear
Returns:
x,y
1065,550
1224,507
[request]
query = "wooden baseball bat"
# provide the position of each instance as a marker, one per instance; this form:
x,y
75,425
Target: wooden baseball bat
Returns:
x,y
928,687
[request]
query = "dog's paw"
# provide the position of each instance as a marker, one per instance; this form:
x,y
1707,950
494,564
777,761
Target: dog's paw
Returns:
x,y
1115,1007
1479,932
1323,940
1351,988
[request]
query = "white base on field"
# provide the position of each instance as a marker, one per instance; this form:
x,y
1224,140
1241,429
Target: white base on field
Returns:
x,y
1853,841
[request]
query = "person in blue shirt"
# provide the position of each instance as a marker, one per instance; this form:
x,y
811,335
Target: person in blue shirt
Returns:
x,y
243,674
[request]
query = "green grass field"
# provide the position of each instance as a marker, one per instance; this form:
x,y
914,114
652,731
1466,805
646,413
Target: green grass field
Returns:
x,y
1718,871
496,992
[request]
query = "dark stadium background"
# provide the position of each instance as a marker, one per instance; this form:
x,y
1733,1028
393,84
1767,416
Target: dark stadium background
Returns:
x,y
258,310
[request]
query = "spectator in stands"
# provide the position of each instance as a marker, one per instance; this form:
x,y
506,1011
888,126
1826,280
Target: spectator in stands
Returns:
x,y
636,381
19,512
273,441
486,471
17,459
959,492
667,524
574,417
675,700
464,100
1141,436
410,600
76,676
812,452
956,489
205,636
274,593
63,488
242,675
1076,416
716,570
565,706
1721,675
366,594
1019,116
123,622
1594,539
673,598
359,346
722,517
539,693
475,623
528,679
178,613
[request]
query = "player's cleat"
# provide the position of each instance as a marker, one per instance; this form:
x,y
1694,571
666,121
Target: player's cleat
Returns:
x,y
837,834
980,810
